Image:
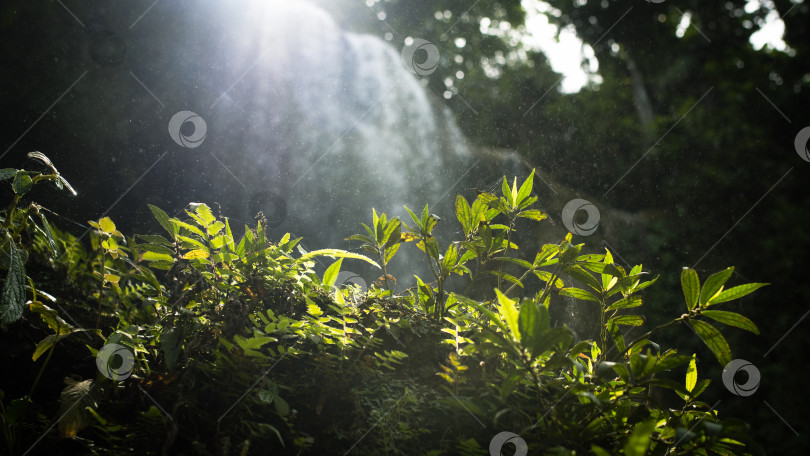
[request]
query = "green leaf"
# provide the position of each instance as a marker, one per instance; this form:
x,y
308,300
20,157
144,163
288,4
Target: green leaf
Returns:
x,y
578,293
736,292
509,312
152,256
331,273
46,229
195,254
163,219
525,188
170,342
282,407
204,212
191,242
584,276
713,339
464,214
22,183
639,439
7,173
626,303
599,451
691,287
12,300
156,249
106,224
531,324
507,192
335,253
533,214
253,343
732,319
393,234
154,239
714,284
180,224
628,320
691,375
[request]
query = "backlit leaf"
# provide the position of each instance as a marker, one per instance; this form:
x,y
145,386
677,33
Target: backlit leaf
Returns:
x,y
732,319
713,339
691,287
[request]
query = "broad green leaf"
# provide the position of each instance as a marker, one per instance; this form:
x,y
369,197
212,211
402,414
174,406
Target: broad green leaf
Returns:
x,y
189,227
736,292
628,320
578,273
75,400
393,234
578,293
508,277
46,229
525,188
253,343
170,343
204,212
599,451
7,173
546,276
533,214
152,256
154,239
335,253
156,249
691,375
331,273
714,284
639,439
522,263
507,192
626,303
390,252
22,183
195,254
192,242
163,219
12,300
464,214
215,228
691,287
107,225
509,312
713,339
531,324
732,319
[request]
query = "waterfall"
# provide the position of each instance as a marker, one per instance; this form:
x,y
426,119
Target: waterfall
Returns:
x,y
254,105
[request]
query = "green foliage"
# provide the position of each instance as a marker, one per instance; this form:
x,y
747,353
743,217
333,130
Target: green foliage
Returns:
x,y
246,347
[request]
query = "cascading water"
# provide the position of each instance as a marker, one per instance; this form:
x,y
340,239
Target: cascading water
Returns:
x,y
254,105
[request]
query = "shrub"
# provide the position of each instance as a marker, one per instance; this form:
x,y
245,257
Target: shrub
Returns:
x,y
222,346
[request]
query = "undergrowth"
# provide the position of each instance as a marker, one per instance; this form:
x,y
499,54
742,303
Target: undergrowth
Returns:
x,y
192,341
